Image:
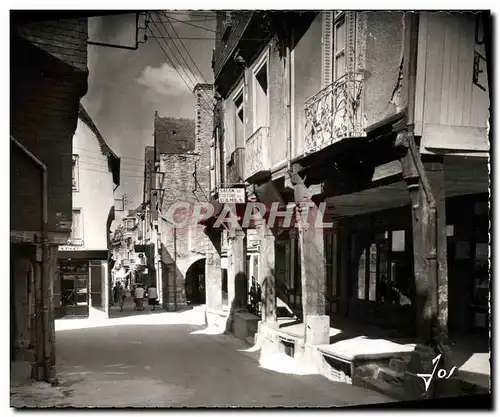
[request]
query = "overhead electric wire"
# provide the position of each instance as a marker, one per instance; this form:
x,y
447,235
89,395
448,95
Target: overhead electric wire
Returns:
x,y
188,68
207,38
193,25
187,65
93,160
176,60
84,157
174,66
193,12
107,172
85,163
184,46
121,157
209,19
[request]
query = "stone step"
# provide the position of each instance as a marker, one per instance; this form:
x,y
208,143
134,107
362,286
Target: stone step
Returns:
x,y
367,371
390,376
469,388
394,391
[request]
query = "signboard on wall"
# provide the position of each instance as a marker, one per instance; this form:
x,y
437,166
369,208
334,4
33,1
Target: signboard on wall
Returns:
x,y
232,195
69,248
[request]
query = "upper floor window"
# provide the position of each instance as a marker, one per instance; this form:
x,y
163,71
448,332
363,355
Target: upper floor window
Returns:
x,y
335,44
77,226
339,46
75,173
260,94
240,118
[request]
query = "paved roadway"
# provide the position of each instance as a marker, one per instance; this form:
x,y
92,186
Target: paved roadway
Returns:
x,y
165,359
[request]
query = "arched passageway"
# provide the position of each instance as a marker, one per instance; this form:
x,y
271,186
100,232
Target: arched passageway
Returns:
x,y
195,283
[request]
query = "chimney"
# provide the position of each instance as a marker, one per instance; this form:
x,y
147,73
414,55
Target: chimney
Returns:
x,y
204,108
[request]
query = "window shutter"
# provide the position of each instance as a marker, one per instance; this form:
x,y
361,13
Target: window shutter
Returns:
x,y
249,97
229,128
350,21
327,48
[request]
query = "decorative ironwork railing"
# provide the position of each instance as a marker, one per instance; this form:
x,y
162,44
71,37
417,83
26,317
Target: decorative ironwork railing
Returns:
x,y
334,113
257,152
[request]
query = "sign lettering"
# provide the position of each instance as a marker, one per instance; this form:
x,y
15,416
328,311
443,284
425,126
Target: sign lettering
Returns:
x,y
232,195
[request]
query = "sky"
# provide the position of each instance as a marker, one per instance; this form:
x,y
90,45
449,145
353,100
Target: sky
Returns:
x,y
126,87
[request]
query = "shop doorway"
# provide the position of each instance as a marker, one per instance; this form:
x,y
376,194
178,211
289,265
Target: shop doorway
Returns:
x,y
74,288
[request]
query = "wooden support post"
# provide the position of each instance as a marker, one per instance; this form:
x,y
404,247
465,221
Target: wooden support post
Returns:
x,y
313,268
434,169
237,279
429,243
43,369
267,273
37,370
50,332
213,274
422,300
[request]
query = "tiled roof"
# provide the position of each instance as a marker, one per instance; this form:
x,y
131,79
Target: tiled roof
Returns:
x,y
174,135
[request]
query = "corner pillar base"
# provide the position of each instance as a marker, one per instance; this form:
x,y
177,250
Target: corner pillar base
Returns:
x,y
317,329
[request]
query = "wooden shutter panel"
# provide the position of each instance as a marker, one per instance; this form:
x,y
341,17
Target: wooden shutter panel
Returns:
x,y
248,98
327,48
350,20
228,129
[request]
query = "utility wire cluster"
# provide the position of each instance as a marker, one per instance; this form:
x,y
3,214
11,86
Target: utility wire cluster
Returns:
x,y
164,37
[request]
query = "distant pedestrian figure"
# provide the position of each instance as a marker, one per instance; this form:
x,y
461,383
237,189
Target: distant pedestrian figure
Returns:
x,y
139,298
152,296
116,290
122,294
255,297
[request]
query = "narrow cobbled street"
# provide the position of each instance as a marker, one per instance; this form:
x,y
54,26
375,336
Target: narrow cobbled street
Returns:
x,y
161,360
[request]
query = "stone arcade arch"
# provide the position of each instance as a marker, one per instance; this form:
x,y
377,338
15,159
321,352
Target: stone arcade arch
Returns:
x,y
195,283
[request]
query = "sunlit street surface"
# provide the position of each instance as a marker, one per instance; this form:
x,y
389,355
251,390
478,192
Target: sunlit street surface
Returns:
x,y
166,360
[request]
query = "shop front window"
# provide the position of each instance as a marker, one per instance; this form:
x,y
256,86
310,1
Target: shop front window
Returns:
x,y
384,267
481,281
331,262
362,275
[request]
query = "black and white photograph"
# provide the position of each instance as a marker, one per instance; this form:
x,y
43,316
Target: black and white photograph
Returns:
x,y
250,209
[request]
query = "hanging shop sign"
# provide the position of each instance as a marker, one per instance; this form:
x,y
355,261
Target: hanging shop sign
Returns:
x,y
232,195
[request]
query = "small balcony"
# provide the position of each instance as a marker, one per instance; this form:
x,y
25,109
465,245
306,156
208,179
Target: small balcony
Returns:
x,y
335,113
257,160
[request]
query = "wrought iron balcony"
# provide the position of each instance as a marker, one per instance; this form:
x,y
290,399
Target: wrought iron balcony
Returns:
x,y
334,113
257,159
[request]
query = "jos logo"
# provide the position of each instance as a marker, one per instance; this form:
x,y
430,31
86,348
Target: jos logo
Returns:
x,y
441,374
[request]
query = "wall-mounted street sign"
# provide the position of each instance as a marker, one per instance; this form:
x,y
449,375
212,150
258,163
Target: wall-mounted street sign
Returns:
x,y
232,195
